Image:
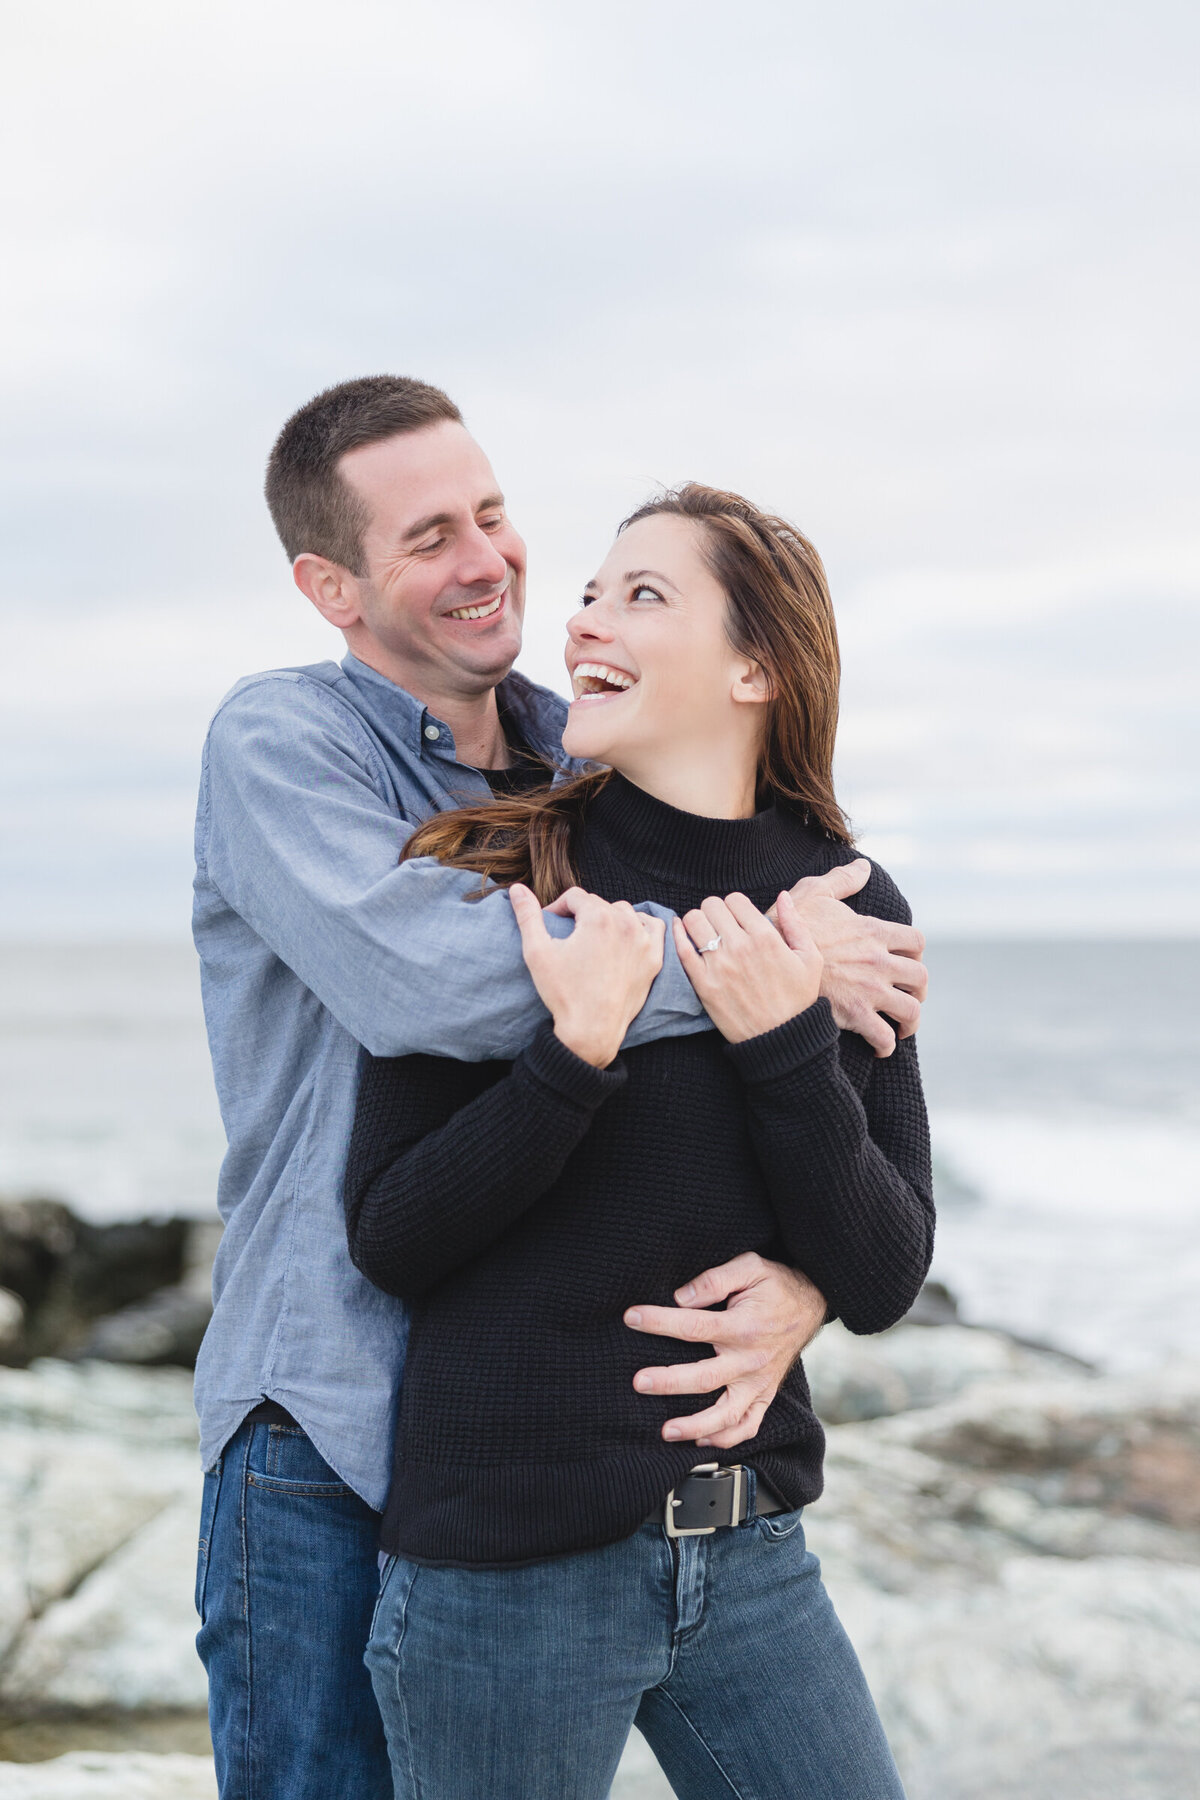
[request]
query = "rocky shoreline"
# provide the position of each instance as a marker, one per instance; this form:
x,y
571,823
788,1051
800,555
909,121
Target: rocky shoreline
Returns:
x,y
1012,1540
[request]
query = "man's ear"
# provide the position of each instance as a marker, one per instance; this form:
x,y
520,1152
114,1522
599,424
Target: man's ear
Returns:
x,y
332,589
751,684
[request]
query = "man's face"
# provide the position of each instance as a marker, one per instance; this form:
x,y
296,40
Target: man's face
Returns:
x,y
443,596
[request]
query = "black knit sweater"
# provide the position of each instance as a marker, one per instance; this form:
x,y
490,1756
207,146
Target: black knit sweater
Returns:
x,y
521,1207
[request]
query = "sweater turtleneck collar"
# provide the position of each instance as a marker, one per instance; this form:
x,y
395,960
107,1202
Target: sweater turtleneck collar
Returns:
x,y
718,855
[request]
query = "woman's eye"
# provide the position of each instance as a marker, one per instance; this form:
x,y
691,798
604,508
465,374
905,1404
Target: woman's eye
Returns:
x,y
587,599
641,592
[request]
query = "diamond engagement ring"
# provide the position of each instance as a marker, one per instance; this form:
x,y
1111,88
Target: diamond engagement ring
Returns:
x,y
712,944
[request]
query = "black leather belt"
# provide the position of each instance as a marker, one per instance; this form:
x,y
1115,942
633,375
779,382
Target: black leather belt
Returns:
x,y
712,1496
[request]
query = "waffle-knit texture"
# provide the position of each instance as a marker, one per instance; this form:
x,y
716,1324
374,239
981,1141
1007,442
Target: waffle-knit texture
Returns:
x,y
522,1207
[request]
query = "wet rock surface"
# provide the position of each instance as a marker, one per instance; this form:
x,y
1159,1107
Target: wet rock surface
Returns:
x,y
59,1274
1013,1544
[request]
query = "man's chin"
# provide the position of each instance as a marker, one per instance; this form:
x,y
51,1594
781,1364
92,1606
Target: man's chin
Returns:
x,y
488,663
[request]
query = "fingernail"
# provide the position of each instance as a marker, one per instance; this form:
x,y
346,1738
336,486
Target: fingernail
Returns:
x,y
687,1294
703,1443
643,1384
633,1318
671,1432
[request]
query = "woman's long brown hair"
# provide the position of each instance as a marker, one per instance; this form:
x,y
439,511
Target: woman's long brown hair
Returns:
x,y
780,614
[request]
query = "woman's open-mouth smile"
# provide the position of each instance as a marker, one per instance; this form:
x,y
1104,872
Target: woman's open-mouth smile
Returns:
x,y
594,681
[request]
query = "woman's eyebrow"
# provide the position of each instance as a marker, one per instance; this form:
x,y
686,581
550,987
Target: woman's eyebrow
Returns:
x,y
654,574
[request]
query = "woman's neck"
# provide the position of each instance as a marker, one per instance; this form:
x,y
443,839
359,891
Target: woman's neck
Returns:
x,y
712,787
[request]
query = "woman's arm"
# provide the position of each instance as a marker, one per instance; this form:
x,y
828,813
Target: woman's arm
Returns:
x,y
444,1156
846,1160
849,1176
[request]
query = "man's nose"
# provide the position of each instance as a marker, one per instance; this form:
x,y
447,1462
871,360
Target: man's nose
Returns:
x,y
481,563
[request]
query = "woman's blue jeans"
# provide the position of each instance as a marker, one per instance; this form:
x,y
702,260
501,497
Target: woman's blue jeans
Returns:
x,y
522,1684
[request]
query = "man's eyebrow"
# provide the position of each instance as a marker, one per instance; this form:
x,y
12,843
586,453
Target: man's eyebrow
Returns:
x,y
424,525
488,504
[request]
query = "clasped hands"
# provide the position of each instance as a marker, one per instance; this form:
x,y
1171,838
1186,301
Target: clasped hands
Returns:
x,y
764,970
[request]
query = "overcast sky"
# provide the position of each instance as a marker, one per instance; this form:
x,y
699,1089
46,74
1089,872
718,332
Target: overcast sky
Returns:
x,y
921,276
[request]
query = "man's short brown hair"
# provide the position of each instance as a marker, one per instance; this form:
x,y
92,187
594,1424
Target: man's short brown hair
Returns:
x,y
313,508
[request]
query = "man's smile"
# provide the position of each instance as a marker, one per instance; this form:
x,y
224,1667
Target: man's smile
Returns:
x,y
481,609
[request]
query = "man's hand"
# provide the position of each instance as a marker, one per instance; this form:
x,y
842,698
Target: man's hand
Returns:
x,y
873,970
772,1313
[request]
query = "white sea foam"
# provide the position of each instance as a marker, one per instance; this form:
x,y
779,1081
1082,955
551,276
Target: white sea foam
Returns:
x,y
1083,1230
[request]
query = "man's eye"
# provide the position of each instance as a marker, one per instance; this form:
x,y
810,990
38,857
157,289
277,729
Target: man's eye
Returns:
x,y
434,545
491,524
639,592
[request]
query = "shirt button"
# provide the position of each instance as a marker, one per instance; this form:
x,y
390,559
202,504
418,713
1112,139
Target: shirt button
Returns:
x,y
432,733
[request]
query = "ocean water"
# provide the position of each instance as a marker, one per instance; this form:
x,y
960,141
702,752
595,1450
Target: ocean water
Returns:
x,y
1063,1083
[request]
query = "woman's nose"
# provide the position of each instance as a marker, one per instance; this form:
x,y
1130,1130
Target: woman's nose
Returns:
x,y
589,624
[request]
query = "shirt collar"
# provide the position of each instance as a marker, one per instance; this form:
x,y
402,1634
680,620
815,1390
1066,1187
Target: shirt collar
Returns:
x,y
531,714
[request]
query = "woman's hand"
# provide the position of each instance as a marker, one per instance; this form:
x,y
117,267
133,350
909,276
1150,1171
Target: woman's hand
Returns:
x,y
756,977
594,982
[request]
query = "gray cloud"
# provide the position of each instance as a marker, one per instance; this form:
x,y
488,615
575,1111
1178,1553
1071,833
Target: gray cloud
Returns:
x,y
920,276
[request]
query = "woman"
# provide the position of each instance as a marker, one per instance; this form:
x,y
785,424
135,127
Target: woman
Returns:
x,y
557,1570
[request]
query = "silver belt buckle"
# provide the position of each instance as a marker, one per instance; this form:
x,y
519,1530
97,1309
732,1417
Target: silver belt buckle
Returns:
x,y
734,1469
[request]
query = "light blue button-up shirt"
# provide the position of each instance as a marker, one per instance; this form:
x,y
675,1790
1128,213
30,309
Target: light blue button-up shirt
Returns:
x,y
314,939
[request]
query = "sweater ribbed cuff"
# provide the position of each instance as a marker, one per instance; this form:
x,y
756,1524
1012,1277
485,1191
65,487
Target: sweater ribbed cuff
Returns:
x,y
784,1049
548,1058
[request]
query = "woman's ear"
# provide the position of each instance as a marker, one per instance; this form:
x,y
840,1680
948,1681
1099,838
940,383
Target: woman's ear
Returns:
x,y
751,684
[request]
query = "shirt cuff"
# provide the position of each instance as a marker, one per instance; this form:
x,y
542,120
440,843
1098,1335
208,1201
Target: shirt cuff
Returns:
x,y
784,1049
548,1058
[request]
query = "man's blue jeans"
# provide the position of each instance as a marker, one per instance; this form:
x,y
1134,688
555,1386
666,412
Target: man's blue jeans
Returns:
x,y
522,1684
286,1581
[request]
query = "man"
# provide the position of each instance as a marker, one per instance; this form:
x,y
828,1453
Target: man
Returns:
x,y
314,940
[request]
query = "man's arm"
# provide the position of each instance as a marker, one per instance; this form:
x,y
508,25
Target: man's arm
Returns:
x,y
295,835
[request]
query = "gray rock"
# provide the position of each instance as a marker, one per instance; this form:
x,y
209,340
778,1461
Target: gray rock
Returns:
x,y
124,1639
989,1682
1140,1768
934,1305
90,1455
1019,1569
99,1775
12,1323
855,1378
165,1328
67,1272
68,1503
134,1406
1018,1563
639,1776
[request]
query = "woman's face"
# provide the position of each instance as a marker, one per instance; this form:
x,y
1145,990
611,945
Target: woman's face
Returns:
x,y
653,672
